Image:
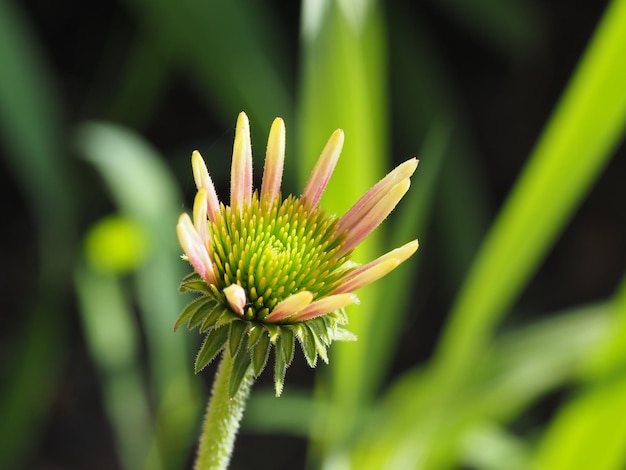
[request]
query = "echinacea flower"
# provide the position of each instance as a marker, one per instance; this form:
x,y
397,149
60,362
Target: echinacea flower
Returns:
x,y
272,269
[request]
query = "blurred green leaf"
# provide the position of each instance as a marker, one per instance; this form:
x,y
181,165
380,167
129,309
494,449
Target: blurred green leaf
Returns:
x,y
293,413
32,140
589,431
112,339
231,48
591,419
343,85
512,28
610,357
419,425
143,188
575,146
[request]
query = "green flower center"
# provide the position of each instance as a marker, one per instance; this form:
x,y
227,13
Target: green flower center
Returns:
x,y
276,251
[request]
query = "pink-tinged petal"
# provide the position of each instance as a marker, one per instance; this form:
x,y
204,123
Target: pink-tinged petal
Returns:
x,y
376,269
241,170
324,306
374,217
200,221
323,169
195,249
376,193
204,181
274,160
236,297
292,304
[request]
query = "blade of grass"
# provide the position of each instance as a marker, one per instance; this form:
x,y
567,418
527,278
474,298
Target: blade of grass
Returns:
x,y
576,144
409,222
112,339
143,189
588,431
416,425
233,49
424,91
343,86
34,152
511,28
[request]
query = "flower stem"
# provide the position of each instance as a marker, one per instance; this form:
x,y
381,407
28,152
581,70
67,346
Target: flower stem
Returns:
x,y
222,420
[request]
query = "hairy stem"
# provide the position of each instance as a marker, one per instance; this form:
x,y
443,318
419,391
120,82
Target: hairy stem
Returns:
x,y
222,420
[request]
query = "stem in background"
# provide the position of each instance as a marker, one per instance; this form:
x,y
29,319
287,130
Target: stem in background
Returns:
x,y
222,419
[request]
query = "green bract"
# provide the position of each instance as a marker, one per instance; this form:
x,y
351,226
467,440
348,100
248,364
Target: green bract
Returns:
x,y
249,341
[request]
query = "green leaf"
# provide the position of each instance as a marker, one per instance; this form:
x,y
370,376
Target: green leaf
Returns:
x,y
307,341
236,335
193,282
241,363
588,123
214,342
260,353
589,431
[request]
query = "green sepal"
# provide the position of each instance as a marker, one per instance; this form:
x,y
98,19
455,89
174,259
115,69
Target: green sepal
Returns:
x,y
191,308
241,363
341,334
236,336
285,344
256,331
226,318
320,347
193,282
202,312
283,353
339,316
321,329
259,353
280,368
214,342
212,317
307,342
273,330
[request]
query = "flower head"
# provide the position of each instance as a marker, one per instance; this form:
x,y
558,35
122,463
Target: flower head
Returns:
x,y
272,269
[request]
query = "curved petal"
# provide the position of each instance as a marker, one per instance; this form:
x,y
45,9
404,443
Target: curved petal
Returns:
x,y
376,269
200,221
374,216
241,170
195,249
324,306
204,181
375,194
236,297
323,169
292,304
274,160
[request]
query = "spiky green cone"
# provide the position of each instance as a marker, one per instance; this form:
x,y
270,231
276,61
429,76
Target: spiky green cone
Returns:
x,y
271,270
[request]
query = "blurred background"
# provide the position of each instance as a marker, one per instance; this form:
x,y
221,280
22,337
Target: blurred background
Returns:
x,y
499,345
